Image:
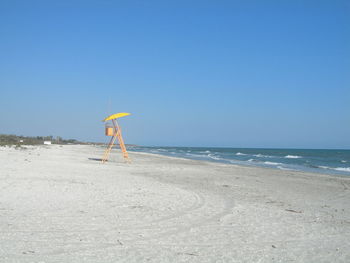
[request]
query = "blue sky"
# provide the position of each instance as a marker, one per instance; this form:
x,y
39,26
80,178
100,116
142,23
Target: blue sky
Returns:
x,y
192,73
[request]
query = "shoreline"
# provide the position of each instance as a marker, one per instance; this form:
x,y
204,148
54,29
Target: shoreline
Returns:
x,y
60,204
246,166
312,161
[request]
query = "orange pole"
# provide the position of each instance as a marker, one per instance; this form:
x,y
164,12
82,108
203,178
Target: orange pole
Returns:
x,y
109,148
121,141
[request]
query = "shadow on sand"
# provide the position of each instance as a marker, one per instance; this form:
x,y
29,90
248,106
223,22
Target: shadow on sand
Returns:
x,y
95,159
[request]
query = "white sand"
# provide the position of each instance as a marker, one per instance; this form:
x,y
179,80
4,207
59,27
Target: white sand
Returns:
x,y
57,205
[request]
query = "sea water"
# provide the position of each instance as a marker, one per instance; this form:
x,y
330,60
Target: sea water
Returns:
x,y
320,161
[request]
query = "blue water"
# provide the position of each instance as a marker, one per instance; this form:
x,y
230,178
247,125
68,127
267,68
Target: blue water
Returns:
x,y
319,161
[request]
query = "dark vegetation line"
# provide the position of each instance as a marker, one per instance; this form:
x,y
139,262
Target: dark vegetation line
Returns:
x,y
15,140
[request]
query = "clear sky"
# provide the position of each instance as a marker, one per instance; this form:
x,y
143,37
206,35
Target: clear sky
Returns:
x,y
192,73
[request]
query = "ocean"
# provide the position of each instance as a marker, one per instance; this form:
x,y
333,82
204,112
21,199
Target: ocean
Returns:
x,y
308,160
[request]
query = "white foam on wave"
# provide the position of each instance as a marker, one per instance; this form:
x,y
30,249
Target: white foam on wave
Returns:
x,y
273,163
324,167
251,160
292,157
343,169
240,153
343,161
262,155
213,157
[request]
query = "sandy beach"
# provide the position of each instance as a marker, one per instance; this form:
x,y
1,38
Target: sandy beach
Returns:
x,y
60,204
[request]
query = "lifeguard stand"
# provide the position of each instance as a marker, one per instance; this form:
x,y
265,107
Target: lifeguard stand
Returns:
x,y
113,129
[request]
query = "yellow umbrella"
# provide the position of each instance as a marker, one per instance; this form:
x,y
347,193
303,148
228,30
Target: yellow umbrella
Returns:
x,y
116,116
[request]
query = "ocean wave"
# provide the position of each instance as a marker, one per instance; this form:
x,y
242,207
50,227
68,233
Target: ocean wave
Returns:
x,y
342,169
162,150
343,161
323,167
273,163
213,157
251,160
262,155
240,153
292,157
